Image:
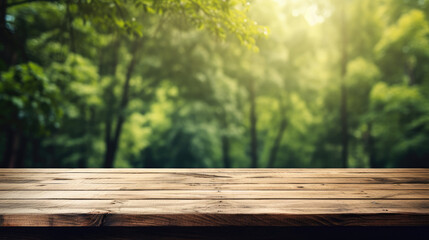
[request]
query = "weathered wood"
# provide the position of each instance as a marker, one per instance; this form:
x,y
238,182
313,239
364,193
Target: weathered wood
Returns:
x,y
204,186
176,206
215,220
214,197
167,179
217,194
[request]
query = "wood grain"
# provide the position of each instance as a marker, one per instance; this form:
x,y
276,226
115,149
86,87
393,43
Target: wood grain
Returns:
x,y
214,197
216,194
30,186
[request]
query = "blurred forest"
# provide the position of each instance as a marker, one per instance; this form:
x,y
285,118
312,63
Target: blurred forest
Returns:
x,y
208,83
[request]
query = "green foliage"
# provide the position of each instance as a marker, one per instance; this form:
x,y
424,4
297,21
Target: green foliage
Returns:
x,y
173,82
219,17
400,114
361,77
77,78
406,43
29,100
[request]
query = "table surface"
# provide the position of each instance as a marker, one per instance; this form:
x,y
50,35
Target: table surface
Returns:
x,y
214,197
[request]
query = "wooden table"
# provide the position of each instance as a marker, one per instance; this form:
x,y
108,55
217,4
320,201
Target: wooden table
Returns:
x,y
209,198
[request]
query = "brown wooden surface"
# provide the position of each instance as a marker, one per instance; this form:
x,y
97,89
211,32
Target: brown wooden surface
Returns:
x,y
214,197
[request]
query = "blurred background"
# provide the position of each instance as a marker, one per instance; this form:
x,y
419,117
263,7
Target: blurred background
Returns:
x,y
207,83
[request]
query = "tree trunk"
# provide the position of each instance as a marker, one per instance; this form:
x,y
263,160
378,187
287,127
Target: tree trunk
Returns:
x,y
110,70
7,49
253,133
8,147
53,161
277,141
225,140
108,157
11,162
85,145
21,152
112,147
370,146
12,47
3,7
225,152
148,161
344,125
35,144
82,162
107,141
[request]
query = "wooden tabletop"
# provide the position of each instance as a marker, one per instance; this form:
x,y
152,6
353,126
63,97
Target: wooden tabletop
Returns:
x,y
214,197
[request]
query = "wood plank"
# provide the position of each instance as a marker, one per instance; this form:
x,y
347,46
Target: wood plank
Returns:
x,y
174,206
217,194
149,179
214,220
206,186
214,197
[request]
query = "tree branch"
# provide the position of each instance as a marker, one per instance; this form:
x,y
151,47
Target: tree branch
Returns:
x,y
13,4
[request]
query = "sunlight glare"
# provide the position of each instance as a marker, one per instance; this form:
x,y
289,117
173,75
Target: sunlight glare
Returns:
x,y
313,13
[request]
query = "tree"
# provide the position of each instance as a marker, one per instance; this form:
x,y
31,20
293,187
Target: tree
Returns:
x,y
29,109
344,60
218,17
126,19
137,84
